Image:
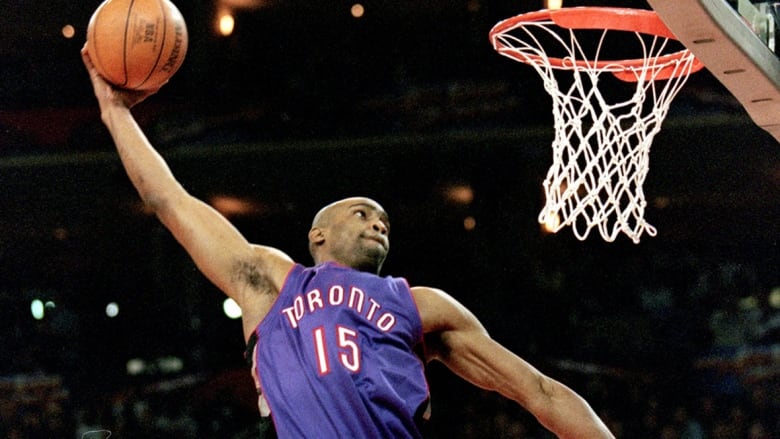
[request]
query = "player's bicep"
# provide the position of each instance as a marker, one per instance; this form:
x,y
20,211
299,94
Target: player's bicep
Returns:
x,y
441,315
455,337
213,243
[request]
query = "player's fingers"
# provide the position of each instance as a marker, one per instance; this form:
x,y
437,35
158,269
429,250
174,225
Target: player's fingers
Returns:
x,y
93,73
85,58
102,88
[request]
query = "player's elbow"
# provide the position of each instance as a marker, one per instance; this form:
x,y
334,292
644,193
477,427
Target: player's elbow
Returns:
x,y
159,201
162,205
155,202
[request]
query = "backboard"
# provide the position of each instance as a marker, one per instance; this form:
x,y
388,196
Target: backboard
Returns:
x,y
735,41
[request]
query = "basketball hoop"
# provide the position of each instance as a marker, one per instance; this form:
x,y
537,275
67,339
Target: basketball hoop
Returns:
x,y
601,148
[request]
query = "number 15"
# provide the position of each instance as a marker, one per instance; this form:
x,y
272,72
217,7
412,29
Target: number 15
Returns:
x,y
348,350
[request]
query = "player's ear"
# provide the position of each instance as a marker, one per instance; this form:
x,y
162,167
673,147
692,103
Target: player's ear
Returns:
x,y
316,236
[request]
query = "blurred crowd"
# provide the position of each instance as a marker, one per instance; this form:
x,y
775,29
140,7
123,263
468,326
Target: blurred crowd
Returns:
x,y
38,407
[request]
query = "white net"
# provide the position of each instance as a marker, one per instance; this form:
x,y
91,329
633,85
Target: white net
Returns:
x,y
601,146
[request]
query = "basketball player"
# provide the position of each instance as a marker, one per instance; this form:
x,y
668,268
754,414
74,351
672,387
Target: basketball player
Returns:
x,y
337,350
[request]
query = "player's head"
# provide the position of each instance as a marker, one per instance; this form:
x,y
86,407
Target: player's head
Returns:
x,y
353,232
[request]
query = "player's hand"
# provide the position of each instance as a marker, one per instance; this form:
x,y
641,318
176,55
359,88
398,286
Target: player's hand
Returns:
x,y
108,94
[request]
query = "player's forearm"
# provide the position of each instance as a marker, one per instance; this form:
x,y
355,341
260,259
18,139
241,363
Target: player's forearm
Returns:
x,y
556,406
568,415
145,167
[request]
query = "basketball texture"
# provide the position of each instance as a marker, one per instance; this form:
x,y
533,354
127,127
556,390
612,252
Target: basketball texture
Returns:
x,y
137,44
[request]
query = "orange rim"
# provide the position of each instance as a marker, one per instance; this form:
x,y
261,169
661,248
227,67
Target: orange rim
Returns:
x,y
619,19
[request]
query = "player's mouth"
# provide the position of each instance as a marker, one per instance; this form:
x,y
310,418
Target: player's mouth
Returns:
x,y
377,238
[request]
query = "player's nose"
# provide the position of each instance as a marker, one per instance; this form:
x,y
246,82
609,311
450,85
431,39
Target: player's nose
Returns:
x,y
379,226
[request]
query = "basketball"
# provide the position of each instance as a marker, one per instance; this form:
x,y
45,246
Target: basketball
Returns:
x,y
137,44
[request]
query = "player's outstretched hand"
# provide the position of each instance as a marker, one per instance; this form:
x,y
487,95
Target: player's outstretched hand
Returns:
x,y
108,94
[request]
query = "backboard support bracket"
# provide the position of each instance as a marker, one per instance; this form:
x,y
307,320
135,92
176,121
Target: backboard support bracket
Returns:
x,y
732,52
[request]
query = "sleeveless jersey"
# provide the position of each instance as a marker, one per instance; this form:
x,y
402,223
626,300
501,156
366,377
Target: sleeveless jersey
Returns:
x,y
335,356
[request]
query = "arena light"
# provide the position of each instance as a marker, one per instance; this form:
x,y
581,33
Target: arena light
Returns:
x,y
774,298
230,205
226,23
231,308
135,366
553,4
357,10
459,194
469,223
112,310
37,309
68,31
551,224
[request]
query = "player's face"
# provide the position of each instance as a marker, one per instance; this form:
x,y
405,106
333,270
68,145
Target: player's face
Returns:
x,y
359,234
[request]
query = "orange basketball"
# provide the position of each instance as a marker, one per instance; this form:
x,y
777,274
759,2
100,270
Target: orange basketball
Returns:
x,y
137,44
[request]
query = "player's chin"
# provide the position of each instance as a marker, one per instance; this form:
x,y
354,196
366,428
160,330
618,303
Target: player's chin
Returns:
x,y
374,255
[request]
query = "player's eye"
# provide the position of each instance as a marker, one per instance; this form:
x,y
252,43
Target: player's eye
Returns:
x,y
361,213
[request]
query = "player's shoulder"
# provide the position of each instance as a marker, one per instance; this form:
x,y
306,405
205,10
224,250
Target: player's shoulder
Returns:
x,y
272,254
440,311
433,304
428,295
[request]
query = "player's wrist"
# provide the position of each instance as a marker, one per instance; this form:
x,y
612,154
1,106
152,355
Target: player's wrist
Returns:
x,y
113,111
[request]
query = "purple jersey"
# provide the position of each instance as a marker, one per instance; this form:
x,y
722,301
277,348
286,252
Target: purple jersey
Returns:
x,y
335,356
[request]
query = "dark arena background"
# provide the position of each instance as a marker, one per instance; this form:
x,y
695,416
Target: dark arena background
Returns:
x,y
106,327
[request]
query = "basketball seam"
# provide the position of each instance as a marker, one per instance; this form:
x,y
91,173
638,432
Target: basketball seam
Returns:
x,y
124,43
164,31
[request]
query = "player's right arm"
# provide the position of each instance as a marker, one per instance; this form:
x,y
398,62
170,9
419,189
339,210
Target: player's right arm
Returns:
x,y
242,270
454,336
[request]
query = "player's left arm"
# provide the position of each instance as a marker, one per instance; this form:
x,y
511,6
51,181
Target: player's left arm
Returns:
x,y
455,337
